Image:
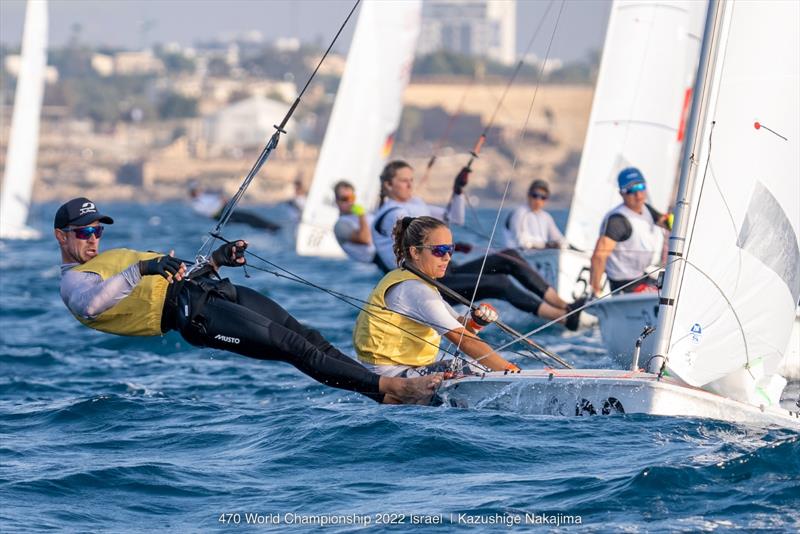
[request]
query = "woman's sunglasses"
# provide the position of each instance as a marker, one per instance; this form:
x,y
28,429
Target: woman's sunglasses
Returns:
x,y
86,232
634,189
539,196
439,250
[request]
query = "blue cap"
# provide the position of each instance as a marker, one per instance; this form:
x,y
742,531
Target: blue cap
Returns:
x,y
628,177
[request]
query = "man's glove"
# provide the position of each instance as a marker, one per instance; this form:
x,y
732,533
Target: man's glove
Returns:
x,y
229,254
461,181
166,266
358,210
481,316
466,248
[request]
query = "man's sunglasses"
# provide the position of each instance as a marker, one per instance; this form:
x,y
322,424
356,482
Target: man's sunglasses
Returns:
x,y
539,196
86,232
439,250
345,198
634,189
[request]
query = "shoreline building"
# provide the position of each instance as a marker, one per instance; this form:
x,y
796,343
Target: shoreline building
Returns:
x,y
474,28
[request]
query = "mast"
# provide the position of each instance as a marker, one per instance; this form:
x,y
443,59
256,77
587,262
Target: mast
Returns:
x,y
683,211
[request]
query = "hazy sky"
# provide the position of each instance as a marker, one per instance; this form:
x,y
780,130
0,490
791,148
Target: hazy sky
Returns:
x,y
121,22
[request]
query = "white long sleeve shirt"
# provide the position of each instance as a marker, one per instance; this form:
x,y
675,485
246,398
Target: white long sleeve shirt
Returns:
x,y
87,295
529,229
392,211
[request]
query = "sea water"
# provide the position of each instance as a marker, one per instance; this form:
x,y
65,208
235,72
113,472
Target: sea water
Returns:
x,y
105,433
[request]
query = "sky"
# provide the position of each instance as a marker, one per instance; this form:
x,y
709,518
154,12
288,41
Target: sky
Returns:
x,y
137,23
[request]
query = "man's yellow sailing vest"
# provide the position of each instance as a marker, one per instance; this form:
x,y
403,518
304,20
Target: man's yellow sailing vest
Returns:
x,y
383,337
138,314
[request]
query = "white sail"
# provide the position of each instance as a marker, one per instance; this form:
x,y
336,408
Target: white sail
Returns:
x,y
364,118
23,143
640,103
736,299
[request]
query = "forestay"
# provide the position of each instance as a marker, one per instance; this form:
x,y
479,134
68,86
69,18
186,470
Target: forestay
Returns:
x,y
364,118
23,143
641,99
736,301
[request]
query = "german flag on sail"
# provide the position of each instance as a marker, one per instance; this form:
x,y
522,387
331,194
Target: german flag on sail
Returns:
x,y
387,146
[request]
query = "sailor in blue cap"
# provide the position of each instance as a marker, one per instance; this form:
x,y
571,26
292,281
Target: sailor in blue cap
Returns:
x,y
631,238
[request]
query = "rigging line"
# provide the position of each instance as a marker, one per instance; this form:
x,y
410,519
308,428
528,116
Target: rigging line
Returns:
x,y
457,297
450,123
293,277
476,149
269,147
346,298
516,159
587,305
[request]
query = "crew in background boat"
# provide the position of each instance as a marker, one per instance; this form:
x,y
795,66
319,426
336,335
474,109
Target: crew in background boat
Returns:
x,y
631,239
398,201
530,226
297,203
132,293
352,229
399,331
212,204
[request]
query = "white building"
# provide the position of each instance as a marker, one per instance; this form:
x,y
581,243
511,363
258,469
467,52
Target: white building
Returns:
x,y
247,123
471,27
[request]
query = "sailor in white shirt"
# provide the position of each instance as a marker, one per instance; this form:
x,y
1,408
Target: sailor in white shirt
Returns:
x,y
352,229
530,226
631,238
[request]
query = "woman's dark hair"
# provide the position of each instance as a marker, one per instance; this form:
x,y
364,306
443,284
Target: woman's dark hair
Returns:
x,y
389,172
411,232
342,183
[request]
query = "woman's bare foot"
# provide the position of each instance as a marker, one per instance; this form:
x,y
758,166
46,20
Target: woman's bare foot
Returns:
x,y
417,390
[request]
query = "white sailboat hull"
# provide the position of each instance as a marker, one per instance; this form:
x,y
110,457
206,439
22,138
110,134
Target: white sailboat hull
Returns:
x,y
577,392
622,319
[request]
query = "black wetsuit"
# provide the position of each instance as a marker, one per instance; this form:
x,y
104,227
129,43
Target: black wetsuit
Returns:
x,y
496,280
250,219
221,315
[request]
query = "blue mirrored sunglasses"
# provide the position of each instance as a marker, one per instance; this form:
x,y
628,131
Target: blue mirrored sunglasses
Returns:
x,y
635,189
440,250
86,232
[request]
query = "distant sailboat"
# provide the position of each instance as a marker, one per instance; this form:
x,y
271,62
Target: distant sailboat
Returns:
x,y
23,143
642,96
364,119
727,307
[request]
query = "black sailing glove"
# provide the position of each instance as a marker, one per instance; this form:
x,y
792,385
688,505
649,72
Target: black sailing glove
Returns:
x,y
461,180
229,254
165,266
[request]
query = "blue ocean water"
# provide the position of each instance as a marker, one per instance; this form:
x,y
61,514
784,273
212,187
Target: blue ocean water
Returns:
x,y
104,433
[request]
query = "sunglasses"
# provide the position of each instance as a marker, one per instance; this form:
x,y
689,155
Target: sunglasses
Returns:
x,y
634,189
86,232
345,198
440,250
539,196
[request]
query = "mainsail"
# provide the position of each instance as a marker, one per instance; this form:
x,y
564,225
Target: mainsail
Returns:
x,y
642,95
736,289
23,142
364,118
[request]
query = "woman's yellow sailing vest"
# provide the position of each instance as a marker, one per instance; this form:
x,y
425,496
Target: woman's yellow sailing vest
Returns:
x,y
138,314
379,341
